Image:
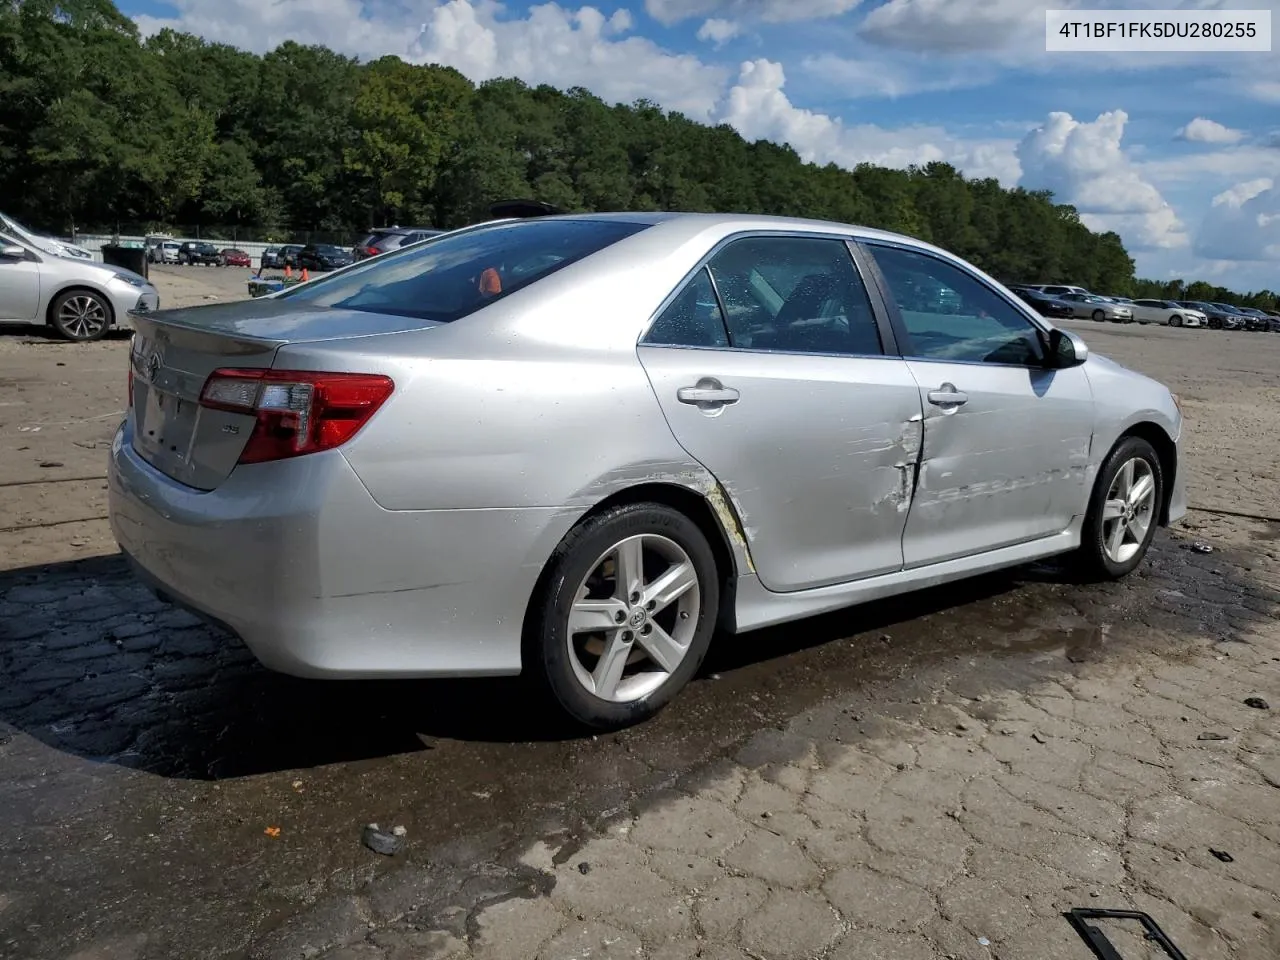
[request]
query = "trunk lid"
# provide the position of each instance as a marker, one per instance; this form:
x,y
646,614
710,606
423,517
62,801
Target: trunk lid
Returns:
x,y
174,352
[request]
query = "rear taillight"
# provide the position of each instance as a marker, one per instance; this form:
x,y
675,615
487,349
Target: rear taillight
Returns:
x,y
297,411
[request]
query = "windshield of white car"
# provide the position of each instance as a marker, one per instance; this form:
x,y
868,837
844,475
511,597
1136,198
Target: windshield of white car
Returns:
x,y
449,277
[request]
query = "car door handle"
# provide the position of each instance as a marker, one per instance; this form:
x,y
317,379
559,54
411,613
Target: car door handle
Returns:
x,y
948,396
707,394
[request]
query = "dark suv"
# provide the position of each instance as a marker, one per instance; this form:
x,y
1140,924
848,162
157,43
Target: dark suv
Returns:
x,y
198,251
385,239
1219,319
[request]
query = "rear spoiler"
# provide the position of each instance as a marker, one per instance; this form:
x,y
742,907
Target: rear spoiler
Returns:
x,y
522,209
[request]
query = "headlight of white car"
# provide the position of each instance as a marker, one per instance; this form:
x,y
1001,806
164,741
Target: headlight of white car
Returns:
x,y
131,280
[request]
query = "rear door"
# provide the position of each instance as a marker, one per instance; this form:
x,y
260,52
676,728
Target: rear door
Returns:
x,y
775,373
1149,311
19,285
1006,441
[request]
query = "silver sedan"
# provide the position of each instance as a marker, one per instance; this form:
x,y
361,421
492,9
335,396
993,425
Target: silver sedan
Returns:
x,y
1092,307
79,299
578,447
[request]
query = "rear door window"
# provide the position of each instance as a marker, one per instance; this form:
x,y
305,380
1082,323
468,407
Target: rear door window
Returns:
x,y
457,275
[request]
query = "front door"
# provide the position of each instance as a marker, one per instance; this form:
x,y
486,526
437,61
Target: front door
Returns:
x,y
769,367
1006,441
19,286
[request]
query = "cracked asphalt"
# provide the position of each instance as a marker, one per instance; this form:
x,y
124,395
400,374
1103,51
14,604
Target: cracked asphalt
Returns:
x,y
937,776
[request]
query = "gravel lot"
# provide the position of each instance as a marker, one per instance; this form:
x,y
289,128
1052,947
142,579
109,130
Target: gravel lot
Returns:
x,y
934,777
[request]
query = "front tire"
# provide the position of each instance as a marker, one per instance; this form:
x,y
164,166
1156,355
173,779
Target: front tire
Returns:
x,y
1175,321
1123,513
1099,316
80,316
626,615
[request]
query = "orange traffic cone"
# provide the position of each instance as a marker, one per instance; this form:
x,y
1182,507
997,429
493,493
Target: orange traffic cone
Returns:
x,y
288,272
305,276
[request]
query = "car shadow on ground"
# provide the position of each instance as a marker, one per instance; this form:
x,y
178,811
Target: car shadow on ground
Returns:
x,y
91,664
42,333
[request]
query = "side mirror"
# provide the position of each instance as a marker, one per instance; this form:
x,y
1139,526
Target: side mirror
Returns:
x,y
1066,349
13,252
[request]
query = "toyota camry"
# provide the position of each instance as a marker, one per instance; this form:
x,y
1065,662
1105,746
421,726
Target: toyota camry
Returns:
x,y
580,447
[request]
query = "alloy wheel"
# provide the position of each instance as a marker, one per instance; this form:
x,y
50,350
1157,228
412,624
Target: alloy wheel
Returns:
x,y
1129,510
633,618
82,316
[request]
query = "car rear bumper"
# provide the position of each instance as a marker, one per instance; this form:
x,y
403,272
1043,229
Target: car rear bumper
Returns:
x,y
297,559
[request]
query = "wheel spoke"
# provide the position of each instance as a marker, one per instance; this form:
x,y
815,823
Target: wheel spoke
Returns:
x,y
591,616
608,672
629,570
1113,510
1141,489
1116,540
1126,478
661,648
669,587
1139,525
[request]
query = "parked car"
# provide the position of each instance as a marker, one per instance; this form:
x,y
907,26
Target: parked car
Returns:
x,y
1045,305
1215,316
1255,319
1058,289
51,245
155,244
1093,307
324,256
201,252
167,252
293,509
79,299
289,254
384,239
231,257
1168,313
1275,322
271,258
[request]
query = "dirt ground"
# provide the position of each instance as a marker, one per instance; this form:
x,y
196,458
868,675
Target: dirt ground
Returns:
x,y
934,777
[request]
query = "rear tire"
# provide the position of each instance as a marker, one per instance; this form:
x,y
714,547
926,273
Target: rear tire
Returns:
x,y
625,615
1099,316
1123,513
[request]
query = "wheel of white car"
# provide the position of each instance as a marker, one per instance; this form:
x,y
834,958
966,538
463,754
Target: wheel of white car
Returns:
x,y
80,315
626,615
1099,316
1124,511
1175,321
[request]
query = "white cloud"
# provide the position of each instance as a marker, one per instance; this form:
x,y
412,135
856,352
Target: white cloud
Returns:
x,y
552,44
1204,130
1084,165
770,11
955,25
893,77
1243,223
719,31
759,109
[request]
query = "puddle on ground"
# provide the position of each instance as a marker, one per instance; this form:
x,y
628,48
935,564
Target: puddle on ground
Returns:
x,y
1077,642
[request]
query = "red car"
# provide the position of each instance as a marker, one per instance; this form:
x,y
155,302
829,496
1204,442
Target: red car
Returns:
x,y
235,258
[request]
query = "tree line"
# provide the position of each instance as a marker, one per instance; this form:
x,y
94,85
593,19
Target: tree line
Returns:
x,y
101,129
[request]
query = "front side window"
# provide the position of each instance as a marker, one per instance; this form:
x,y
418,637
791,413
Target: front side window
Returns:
x,y
462,272
795,295
950,315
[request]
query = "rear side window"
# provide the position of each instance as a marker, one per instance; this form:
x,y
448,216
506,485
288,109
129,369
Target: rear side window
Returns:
x,y
458,274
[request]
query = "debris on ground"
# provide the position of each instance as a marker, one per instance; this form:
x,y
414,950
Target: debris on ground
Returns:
x,y
584,868
380,841
1257,703
50,464
1199,547
272,832
1209,735
1222,855
1039,738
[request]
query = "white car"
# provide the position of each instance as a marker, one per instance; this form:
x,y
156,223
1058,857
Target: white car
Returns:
x,y
59,248
1167,313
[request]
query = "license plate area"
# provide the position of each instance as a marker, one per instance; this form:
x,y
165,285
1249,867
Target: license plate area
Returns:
x,y
165,425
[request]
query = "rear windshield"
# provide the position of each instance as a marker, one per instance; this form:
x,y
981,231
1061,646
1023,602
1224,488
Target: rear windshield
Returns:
x,y
456,274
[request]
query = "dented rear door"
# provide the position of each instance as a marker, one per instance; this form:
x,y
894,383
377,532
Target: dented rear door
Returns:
x,y
816,454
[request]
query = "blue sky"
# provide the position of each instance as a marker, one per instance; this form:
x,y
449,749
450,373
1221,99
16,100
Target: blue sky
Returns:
x,y
1179,153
